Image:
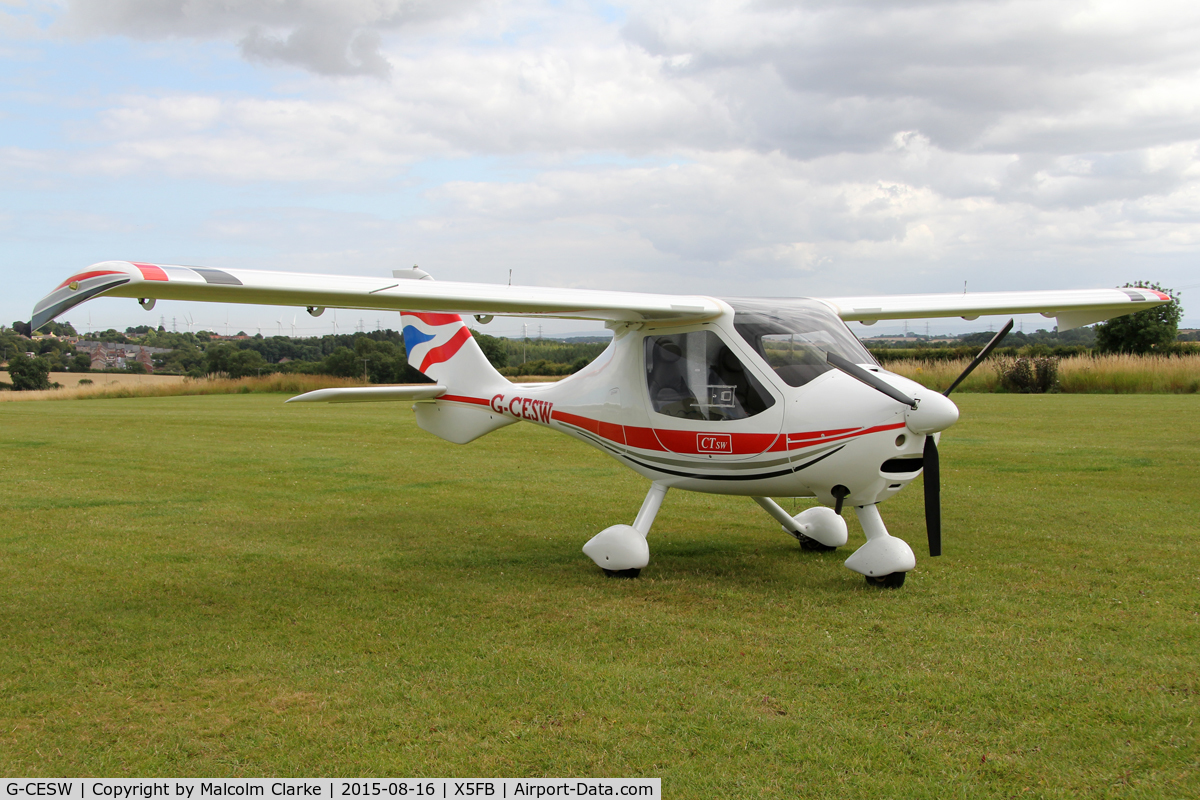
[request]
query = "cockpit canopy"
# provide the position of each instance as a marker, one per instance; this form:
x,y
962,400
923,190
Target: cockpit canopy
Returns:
x,y
794,335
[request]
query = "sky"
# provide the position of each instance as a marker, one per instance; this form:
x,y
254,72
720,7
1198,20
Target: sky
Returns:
x,y
769,148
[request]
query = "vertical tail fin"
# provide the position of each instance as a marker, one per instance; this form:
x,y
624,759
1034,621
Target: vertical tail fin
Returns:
x,y
442,347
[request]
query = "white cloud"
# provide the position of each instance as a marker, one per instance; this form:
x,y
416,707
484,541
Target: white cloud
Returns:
x,y
821,77
328,37
773,146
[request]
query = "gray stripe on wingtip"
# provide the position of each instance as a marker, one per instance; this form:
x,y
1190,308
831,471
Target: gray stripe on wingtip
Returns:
x,y
216,276
40,318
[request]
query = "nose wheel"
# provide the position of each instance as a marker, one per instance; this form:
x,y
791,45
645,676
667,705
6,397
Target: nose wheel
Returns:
x,y
893,581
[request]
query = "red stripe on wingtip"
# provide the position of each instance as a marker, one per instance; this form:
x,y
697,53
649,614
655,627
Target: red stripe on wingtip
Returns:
x,y
151,272
83,276
446,352
1162,296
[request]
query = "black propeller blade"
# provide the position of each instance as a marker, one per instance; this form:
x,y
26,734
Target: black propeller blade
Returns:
x,y
933,467
933,496
988,348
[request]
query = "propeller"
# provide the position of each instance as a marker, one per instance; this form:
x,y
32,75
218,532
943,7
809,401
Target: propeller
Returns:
x,y
984,353
932,463
930,460
933,496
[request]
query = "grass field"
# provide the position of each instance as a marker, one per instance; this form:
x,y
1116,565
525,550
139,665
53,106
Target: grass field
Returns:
x,y
222,585
108,385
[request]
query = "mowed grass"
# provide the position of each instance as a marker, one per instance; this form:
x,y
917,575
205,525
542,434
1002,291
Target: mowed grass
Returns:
x,y
222,585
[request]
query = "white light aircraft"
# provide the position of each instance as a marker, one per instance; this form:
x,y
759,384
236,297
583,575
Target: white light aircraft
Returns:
x,y
765,397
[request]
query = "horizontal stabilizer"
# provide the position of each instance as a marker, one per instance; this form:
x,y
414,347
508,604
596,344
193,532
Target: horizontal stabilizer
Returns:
x,y
373,394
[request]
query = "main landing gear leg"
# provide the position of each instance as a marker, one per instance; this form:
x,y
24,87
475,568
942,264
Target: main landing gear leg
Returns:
x,y
621,550
817,528
884,559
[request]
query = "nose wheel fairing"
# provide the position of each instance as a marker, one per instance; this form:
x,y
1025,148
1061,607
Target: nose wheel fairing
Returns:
x,y
883,554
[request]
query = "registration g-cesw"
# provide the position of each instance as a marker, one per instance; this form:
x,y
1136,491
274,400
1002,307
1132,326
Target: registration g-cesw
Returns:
x,y
38,788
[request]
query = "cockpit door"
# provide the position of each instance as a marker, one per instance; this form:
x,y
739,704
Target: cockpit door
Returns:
x,y
706,400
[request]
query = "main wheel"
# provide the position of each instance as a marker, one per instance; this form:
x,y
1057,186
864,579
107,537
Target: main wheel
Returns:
x,y
622,573
892,581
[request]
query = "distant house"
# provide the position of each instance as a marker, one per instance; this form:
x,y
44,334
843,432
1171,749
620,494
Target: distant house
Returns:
x,y
111,355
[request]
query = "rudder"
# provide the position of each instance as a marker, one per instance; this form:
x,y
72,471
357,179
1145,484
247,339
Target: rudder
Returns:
x,y
442,347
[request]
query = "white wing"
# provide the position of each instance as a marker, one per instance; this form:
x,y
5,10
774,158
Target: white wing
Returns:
x,y
1072,308
169,282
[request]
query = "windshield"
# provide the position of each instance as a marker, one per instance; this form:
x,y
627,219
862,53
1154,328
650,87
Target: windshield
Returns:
x,y
794,335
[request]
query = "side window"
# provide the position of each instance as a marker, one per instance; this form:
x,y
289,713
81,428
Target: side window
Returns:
x,y
697,376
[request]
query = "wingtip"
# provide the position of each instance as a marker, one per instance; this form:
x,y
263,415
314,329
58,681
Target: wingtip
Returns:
x,y
79,288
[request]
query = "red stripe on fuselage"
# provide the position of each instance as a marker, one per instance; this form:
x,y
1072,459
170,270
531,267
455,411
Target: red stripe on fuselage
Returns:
x,y
446,352
806,439
741,444
818,435
685,441
151,272
83,276
457,398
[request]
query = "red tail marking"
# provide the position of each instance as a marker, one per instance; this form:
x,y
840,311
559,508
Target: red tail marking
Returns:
x,y
434,319
446,352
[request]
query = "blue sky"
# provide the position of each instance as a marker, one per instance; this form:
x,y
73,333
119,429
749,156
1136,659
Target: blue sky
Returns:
x,y
757,148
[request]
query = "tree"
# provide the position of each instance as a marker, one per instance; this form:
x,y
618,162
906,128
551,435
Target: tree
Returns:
x,y
28,374
343,363
82,362
234,362
1144,331
493,349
